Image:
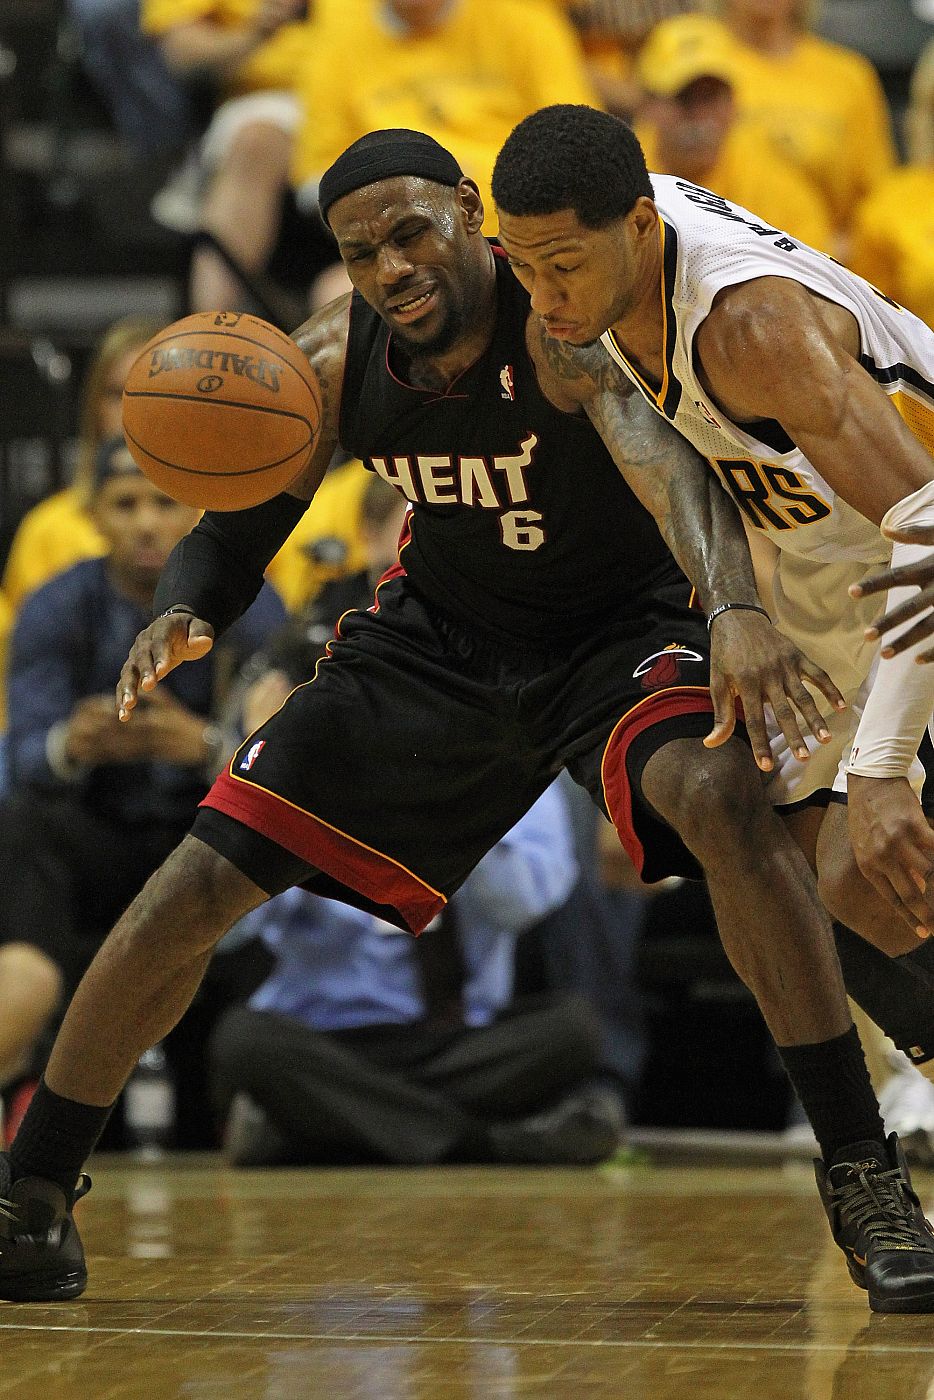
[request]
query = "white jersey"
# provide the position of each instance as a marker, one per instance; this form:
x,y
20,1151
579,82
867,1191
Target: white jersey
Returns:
x,y
709,244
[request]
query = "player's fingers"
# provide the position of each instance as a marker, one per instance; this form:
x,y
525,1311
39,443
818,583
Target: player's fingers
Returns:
x,y
909,638
819,678
905,576
904,612
909,534
754,716
127,687
803,700
788,723
910,902
724,713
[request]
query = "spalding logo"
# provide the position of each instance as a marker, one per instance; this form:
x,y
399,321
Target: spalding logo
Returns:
x,y
264,372
208,383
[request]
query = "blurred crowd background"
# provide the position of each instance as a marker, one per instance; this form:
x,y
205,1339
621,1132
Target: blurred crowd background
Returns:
x,y
162,156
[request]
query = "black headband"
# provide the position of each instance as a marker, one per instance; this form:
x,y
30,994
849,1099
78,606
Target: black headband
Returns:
x,y
381,154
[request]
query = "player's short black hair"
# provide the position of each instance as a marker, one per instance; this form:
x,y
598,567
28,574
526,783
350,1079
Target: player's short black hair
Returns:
x,y
571,157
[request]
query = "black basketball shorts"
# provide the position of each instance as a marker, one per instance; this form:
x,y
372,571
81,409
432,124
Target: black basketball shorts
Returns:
x,y
418,745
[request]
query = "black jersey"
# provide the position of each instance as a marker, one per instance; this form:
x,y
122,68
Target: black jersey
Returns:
x,y
521,523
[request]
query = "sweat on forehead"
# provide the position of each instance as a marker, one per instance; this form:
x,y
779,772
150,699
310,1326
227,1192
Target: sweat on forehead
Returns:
x,y
379,156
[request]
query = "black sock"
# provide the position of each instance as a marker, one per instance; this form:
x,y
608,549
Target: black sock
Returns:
x,y
890,993
56,1137
832,1082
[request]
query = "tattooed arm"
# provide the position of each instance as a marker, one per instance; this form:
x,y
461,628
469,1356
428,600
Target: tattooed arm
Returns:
x,y
750,660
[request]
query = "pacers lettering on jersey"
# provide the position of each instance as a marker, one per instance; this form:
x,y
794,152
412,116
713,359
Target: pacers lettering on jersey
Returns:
x,y
492,483
770,497
716,204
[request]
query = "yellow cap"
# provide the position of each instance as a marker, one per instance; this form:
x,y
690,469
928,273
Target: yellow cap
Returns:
x,y
682,49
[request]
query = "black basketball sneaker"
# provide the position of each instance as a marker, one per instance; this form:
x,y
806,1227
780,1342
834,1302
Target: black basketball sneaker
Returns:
x,y
877,1221
41,1258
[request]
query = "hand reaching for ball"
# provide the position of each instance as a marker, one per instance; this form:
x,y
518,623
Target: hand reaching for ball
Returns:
x,y
164,644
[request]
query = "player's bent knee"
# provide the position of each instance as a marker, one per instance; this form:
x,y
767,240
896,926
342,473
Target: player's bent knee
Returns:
x,y
709,796
196,893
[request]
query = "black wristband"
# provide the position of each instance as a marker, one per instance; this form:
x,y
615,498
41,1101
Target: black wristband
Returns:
x,y
177,608
219,566
725,607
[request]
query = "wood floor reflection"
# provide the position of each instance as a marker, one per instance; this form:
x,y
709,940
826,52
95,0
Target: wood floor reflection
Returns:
x,y
645,1283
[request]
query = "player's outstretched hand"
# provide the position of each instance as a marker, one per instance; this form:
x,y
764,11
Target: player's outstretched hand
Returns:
x,y
920,574
158,649
751,661
894,846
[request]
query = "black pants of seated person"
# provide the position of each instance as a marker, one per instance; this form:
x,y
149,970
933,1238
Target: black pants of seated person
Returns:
x,y
66,875
401,1094
68,872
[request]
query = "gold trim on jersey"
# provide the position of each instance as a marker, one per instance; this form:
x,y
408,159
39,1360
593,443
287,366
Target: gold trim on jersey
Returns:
x,y
666,399
918,417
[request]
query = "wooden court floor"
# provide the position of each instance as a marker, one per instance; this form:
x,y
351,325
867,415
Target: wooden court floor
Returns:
x,y
675,1283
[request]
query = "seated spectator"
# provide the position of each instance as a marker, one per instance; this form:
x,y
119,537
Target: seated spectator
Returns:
x,y
60,530
152,110
687,126
253,52
464,71
821,105
367,1045
893,240
612,33
95,806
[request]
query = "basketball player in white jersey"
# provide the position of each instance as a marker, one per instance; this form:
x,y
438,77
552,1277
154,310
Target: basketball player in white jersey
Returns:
x,y
812,394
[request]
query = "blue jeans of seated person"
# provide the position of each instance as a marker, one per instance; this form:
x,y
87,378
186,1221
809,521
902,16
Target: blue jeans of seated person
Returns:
x,y
151,108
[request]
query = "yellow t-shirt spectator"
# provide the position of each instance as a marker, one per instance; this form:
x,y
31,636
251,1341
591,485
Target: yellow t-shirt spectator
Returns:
x,y
823,108
466,83
274,65
749,173
893,239
333,517
55,534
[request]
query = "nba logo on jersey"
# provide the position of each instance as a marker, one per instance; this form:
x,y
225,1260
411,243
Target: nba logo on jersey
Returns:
x,y
253,754
508,390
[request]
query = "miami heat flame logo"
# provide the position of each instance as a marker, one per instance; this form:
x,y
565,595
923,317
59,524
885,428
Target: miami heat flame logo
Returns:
x,y
664,667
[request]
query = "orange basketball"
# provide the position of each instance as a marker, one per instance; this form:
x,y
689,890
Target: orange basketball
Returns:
x,y
221,410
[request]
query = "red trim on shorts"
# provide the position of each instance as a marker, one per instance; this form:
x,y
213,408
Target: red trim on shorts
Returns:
x,y
617,793
378,877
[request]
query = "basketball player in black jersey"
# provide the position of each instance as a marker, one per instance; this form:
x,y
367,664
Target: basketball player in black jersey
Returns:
x,y
535,621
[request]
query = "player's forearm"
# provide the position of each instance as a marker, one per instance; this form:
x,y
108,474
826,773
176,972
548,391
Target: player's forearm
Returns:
x,y
218,569
705,533
900,703
699,522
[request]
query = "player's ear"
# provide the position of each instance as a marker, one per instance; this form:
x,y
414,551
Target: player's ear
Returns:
x,y
469,199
